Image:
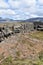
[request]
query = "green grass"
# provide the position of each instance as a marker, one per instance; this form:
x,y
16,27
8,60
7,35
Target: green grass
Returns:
x,y
17,61
9,61
37,35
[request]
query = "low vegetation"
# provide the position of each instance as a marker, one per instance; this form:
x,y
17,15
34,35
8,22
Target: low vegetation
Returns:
x,y
10,61
22,50
37,35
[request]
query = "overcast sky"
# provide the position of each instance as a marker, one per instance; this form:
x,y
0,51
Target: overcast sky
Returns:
x,y
21,9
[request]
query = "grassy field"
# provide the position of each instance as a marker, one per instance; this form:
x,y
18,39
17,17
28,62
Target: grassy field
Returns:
x,y
23,46
9,61
37,35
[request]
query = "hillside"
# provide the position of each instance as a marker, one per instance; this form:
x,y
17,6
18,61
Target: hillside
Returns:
x,y
27,20
35,19
22,49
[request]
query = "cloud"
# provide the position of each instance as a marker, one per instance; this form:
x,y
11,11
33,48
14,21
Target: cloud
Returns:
x,y
30,2
21,3
7,12
14,3
3,4
40,2
21,9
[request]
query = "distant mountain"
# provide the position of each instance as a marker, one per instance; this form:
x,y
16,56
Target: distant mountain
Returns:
x,y
31,20
9,20
1,19
27,20
34,19
5,20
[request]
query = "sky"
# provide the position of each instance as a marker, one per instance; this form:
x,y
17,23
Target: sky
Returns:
x,y
21,9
